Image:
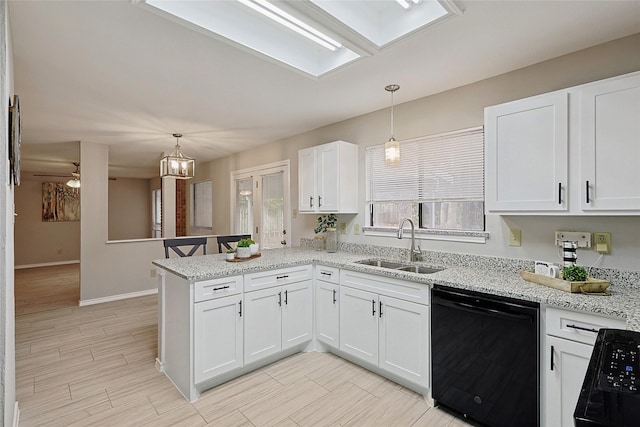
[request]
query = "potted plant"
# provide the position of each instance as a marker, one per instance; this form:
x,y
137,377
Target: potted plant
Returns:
x,y
231,254
324,223
244,248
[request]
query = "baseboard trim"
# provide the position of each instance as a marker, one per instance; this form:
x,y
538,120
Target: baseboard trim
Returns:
x,y
16,415
46,264
117,297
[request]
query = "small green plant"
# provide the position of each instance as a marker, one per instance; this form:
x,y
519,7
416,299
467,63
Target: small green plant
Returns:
x,y
245,243
231,251
574,273
325,221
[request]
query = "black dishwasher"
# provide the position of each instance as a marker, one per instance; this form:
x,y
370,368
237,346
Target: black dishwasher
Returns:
x,y
485,357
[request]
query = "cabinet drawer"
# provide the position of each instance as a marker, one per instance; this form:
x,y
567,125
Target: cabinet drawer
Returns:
x,y
328,274
284,276
402,289
216,288
577,326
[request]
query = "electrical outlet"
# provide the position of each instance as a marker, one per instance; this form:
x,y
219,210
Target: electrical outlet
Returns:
x,y
356,228
343,228
154,272
515,237
602,242
582,237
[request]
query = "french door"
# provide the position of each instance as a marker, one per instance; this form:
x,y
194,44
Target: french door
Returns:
x,y
261,204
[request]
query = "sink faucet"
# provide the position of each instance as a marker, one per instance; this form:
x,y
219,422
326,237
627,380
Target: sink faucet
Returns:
x,y
414,253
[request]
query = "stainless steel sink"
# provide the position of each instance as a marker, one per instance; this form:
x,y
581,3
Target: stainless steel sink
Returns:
x,y
401,266
381,263
420,269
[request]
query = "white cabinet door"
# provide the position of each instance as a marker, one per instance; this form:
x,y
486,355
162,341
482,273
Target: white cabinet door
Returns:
x,y
404,334
307,197
327,313
610,136
359,324
263,323
327,179
526,154
217,337
297,320
564,381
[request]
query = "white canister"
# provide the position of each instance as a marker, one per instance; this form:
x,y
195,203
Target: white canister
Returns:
x,y
254,248
243,252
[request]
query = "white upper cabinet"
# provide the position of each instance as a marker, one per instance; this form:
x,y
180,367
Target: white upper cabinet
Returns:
x,y
570,152
328,178
526,154
610,135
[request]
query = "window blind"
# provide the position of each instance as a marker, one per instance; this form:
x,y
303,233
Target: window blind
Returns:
x,y
442,167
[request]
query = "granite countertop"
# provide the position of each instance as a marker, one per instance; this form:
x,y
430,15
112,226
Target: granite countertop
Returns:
x,y
624,301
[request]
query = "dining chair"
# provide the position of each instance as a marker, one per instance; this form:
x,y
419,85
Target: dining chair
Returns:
x,y
176,244
225,240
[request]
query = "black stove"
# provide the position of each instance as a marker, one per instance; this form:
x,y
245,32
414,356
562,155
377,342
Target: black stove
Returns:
x,y
609,395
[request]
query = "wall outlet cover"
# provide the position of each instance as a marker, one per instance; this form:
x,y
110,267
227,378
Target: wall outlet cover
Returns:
x,y
602,242
515,237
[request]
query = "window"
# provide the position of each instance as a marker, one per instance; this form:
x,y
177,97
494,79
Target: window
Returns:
x,y
439,183
201,205
156,208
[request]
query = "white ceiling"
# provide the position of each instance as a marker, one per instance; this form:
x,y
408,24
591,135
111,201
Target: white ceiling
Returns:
x,y
110,72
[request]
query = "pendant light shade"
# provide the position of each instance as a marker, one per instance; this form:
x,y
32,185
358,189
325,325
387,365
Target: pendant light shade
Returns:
x,y
176,164
391,147
75,181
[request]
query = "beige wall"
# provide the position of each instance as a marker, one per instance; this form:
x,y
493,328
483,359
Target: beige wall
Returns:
x,y
129,208
457,109
38,242
108,269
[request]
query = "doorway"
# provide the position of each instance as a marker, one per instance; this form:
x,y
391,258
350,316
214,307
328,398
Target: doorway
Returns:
x,y
261,204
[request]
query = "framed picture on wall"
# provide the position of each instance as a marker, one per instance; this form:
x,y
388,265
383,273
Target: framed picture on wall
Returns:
x,y
14,140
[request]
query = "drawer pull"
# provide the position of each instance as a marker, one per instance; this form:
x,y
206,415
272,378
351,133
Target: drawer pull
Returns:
x,y
220,288
286,276
324,273
280,299
240,312
587,191
373,308
286,297
334,296
559,193
380,309
552,349
595,331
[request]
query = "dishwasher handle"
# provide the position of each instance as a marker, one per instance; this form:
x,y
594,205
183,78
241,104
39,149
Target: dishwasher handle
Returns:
x,y
481,310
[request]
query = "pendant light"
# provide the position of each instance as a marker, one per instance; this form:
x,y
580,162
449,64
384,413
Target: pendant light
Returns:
x,y
75,181
176,164
391,147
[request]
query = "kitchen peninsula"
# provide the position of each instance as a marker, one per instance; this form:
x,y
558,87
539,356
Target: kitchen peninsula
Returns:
x,y
219,320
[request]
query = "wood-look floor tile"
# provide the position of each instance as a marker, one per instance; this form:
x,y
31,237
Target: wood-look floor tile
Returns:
x,y
134,414
393,409
336,408
240,392
276,406
184,415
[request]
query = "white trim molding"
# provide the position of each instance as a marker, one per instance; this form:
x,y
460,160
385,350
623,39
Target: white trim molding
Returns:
x,y
46,264
111,298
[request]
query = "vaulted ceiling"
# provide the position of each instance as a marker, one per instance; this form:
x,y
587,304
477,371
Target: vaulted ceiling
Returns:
x,y
111,72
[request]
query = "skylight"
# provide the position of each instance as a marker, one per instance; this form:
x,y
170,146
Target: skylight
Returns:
x,y
313,36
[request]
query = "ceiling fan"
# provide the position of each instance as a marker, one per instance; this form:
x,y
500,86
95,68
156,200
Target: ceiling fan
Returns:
x,y
74,182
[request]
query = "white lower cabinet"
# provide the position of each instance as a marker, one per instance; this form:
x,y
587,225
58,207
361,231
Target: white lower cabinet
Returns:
x,y
568,361
328,313
217,337
387,332
277,319
569,342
